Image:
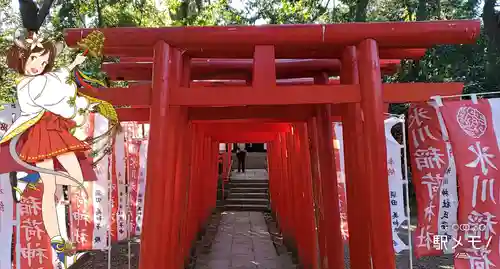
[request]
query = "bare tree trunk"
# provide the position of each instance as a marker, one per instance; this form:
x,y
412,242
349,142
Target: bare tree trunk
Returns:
x,y
361,6
422,15
491,21
422,10
100,23
438,9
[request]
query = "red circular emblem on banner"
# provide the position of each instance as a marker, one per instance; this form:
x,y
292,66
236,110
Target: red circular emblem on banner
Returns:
x,y
472,121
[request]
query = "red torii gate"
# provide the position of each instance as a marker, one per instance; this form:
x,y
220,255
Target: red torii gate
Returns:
x,y
234,69
300,151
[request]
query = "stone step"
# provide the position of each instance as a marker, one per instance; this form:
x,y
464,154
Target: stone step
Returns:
x,y
257,195
246,201
249,185
238,207
236,180
249,190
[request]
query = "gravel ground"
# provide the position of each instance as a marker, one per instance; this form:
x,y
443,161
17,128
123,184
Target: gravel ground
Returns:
x,y
119,258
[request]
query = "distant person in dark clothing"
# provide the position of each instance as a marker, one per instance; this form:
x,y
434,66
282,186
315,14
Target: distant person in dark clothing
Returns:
x,y
241,154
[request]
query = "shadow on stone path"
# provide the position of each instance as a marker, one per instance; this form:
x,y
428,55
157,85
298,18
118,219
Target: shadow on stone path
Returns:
x,y
243,242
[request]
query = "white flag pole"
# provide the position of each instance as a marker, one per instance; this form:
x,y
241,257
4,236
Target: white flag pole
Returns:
x,y
128,218
407,189
110,207
18,235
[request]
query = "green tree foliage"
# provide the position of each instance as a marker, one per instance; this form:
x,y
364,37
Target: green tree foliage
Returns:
x,y
475,65
8,20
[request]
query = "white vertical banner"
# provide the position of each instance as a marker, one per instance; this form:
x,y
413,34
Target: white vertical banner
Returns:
x,y
141,190
6,222
396,182
448,194
8,112
101,196
122,189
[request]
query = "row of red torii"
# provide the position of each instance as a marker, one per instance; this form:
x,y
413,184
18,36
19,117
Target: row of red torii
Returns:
x,y
169,71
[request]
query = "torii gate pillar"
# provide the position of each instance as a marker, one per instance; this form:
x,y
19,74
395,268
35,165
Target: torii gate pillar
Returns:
x,y
355,168
375,153
160,160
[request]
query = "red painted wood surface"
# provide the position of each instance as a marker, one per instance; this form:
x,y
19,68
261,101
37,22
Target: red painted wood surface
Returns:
x,y
179,190
376,156
284,52
355,169
260,114
189,145
151,241
290,113
298,37
237,137
329,191
312,132
309,234
279,82
243,127
203,69
139,96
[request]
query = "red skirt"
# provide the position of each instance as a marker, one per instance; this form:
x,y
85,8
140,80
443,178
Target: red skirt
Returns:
x,y
49,137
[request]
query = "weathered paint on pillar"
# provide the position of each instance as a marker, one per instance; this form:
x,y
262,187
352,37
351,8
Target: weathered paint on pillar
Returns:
x,y
189,145
357,189
273,171
316,188
194,189
172,137
285,213
180,186
372,106
152,247
295,181
329,191
281,192
309,225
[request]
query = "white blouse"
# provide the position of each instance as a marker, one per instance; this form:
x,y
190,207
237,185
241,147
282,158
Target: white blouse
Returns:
x,y
49,92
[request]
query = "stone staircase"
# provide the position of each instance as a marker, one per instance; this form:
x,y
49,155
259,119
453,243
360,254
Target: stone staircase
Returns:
x,y
248,191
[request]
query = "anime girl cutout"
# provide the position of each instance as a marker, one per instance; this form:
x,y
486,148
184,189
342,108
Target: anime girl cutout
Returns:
x,y
40,145
40,140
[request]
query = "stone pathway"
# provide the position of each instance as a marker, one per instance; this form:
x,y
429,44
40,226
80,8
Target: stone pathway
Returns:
x,y
243,242
250,174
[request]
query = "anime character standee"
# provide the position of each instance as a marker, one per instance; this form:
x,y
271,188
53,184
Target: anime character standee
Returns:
x,y
40,139
40,145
